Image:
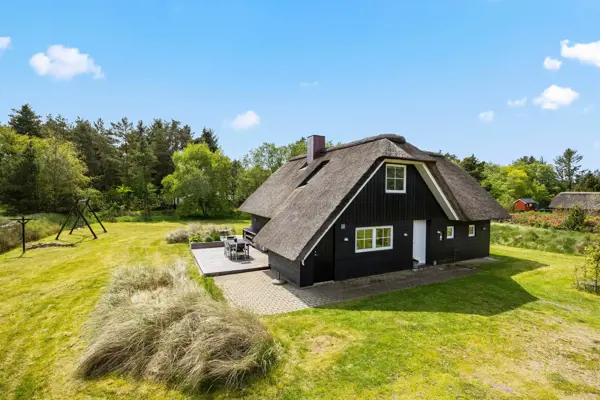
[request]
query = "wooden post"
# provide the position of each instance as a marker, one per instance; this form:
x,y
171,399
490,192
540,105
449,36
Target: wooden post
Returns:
x,y
23,221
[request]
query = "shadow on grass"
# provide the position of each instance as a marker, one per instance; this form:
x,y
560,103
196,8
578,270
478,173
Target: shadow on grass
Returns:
x,y
490,292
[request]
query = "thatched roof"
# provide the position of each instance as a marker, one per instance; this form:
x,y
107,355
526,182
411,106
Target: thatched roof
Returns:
x,y
586,200
299,215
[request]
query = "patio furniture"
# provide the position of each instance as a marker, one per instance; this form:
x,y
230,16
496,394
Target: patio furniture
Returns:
x,y
223,234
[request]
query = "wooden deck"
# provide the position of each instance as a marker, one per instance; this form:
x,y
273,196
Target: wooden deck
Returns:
x,y
212,262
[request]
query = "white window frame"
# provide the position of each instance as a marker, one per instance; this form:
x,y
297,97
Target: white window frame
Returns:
x,y
451,236
474,231
373,238
386,177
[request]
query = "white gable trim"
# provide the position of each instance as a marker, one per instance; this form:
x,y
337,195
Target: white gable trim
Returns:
x,y
427,177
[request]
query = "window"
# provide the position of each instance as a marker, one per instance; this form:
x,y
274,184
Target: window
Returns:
x,y
450,232
312,173
471,230
395,179
372,239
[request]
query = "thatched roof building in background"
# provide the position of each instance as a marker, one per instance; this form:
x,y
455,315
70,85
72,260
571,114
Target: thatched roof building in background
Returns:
x,y
589,201
302,200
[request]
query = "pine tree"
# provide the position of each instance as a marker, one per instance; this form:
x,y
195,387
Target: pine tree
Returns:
x,y
160,145
25,121
209,137
23,182
568,167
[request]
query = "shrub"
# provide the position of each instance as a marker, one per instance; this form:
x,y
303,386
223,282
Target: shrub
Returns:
x,y
575,220
208,239
157,324
197,230
197,238
178,236
587,277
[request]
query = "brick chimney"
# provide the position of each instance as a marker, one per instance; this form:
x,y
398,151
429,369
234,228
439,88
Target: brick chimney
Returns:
x,y
315,146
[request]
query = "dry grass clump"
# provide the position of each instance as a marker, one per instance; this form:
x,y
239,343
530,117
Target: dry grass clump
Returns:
x,y
163,327
182,235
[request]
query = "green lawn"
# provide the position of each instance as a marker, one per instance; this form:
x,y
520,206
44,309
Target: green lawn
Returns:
x,y
516,329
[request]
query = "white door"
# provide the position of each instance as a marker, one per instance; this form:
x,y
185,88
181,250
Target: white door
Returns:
x,y
420,241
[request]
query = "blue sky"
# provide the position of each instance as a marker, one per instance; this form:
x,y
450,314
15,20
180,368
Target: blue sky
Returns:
x,y
429,70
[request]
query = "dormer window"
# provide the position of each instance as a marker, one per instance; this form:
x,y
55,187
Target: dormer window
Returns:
x,y
395,178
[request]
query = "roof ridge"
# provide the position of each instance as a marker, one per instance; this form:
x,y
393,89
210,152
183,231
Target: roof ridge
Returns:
x,y
390,136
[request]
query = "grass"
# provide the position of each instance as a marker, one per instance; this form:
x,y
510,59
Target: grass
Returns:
x,y
552,240
516,329
158,324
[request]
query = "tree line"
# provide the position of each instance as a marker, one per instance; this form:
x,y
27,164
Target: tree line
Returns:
x,y
531,177
47,163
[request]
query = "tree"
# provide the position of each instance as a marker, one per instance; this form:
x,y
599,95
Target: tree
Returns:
x,y
160,145
209,137
200,180
474,167
25,121
61,174
588,182
567,167
143,161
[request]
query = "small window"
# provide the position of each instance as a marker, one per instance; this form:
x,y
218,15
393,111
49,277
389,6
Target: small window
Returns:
x,y
372,239
450,232
312,173
395,179
471,230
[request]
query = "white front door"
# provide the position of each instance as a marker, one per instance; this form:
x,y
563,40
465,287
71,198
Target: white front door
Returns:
x,y
420,241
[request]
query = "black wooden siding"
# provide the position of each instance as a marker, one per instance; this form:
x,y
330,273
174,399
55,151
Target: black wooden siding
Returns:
x,y
462,247
374,204
291,270
258,222
374,207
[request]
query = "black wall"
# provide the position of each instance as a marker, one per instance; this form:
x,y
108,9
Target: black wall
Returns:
x,y
462,247
374,204
290,270
374,207
258,222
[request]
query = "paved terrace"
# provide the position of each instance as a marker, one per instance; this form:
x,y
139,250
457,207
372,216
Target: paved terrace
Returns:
x,y
212,262
255,292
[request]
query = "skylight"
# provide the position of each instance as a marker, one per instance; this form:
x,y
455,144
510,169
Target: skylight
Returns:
x,y
313,173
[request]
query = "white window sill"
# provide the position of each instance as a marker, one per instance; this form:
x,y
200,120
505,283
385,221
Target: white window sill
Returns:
x,y
370,250
395,191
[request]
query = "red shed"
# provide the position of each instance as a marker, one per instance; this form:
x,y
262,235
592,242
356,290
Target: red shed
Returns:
x,y
525,205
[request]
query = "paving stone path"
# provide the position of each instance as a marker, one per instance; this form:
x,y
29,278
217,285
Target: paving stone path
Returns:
x,y
254,290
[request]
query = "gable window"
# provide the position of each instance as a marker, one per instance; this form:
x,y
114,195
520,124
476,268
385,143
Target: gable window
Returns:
x,y
471,230
449,232
395,178
374,238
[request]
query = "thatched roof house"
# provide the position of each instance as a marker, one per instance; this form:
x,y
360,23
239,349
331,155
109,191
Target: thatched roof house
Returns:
x,y
589,201
318,208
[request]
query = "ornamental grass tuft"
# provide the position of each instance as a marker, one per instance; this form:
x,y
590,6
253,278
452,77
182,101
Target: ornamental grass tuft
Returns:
x,y
157,324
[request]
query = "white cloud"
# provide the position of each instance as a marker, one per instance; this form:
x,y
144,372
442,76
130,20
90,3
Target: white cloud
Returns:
x,y
552,63
245,121
587,53
64,63
518,102
4,42
309,84
555,96
486,116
